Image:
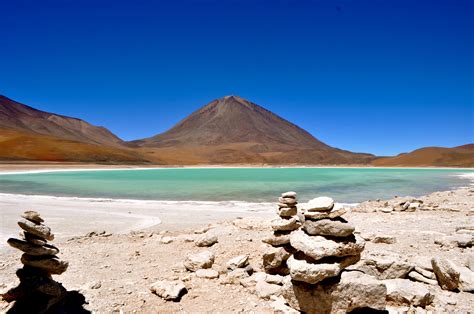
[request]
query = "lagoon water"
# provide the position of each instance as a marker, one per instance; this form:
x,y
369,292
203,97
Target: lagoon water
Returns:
x,y
347,185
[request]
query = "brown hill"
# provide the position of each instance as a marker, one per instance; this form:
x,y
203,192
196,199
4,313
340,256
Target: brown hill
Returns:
x,y
461,156
19,117
234,130
18,145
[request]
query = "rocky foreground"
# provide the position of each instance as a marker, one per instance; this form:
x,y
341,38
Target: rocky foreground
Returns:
x,y
416,256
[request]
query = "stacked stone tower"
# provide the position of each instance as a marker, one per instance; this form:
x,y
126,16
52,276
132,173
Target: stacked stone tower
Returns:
x,y
37,290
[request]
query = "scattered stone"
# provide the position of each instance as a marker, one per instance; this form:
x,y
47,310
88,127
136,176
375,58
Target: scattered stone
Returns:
x,y
207,273
265,290
206,240
236,276
202,230
95,285
385,239
193,262
167,240
446,273
403,291
327,227
169,290
238,262
386,210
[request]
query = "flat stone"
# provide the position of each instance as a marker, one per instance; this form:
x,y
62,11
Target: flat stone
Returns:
x,y
470,261
31,238
287,211
319,204
466,279
207,273
406,292
277,239
169,290
290,194
32,216
206,240
419,277
384,265
385,239
39,230
280,224
288,200
426,273
324,215
32,249
50,264
266,290
235,276
319,247
274,260
202,260
446,273
327,227
301,270
238,262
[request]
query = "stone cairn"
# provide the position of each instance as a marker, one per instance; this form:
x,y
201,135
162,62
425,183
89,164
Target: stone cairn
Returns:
x,y
37,291
313,245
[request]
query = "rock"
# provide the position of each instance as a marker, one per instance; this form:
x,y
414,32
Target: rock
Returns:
x,y
265,290
327,227
319,247
423,262
324,215
470,261
358,291
95,285
385,239
207,273
169,290
201,230
277,239
384,265
32,216
280,224
31,238
280,306
426,273
446,273
236,276
419,277
206,240
274,279
238,262
462,240
301,270
288,201
319,204
290,194
386,210
413,206
403,291
466,279
274,259
48,263
32,249
38,230
204,259
287,211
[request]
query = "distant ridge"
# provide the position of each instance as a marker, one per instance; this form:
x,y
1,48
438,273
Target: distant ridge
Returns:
x,y
234,130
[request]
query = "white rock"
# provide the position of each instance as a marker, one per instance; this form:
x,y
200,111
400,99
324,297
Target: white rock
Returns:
x,y
289,194
204,259
207,273
168,290
167,240
403,291
317,204
265,290
238,262
446,273
206,240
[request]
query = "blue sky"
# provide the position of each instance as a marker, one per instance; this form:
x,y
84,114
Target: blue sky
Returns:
x,y
373,76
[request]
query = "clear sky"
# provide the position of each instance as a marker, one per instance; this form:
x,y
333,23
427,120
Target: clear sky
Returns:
x,y
375,76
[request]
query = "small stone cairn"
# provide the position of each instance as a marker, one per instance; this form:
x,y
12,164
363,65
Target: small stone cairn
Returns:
x,y
37,291
313,245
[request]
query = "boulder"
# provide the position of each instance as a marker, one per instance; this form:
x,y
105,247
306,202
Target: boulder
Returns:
x,y
274,260
324,215
238,262
32,216
32,249
302,270
266,290
327,227
207,273
50,264
204,259
169,290
206,240
446,273
406,292
281,224
319,204
277,239
38,230
319,247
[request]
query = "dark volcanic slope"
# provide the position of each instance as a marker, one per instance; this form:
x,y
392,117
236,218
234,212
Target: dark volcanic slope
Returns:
x,y
19,117
232,129
461,156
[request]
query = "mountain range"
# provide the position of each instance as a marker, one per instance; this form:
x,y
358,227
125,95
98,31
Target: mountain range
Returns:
x,y
229,130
